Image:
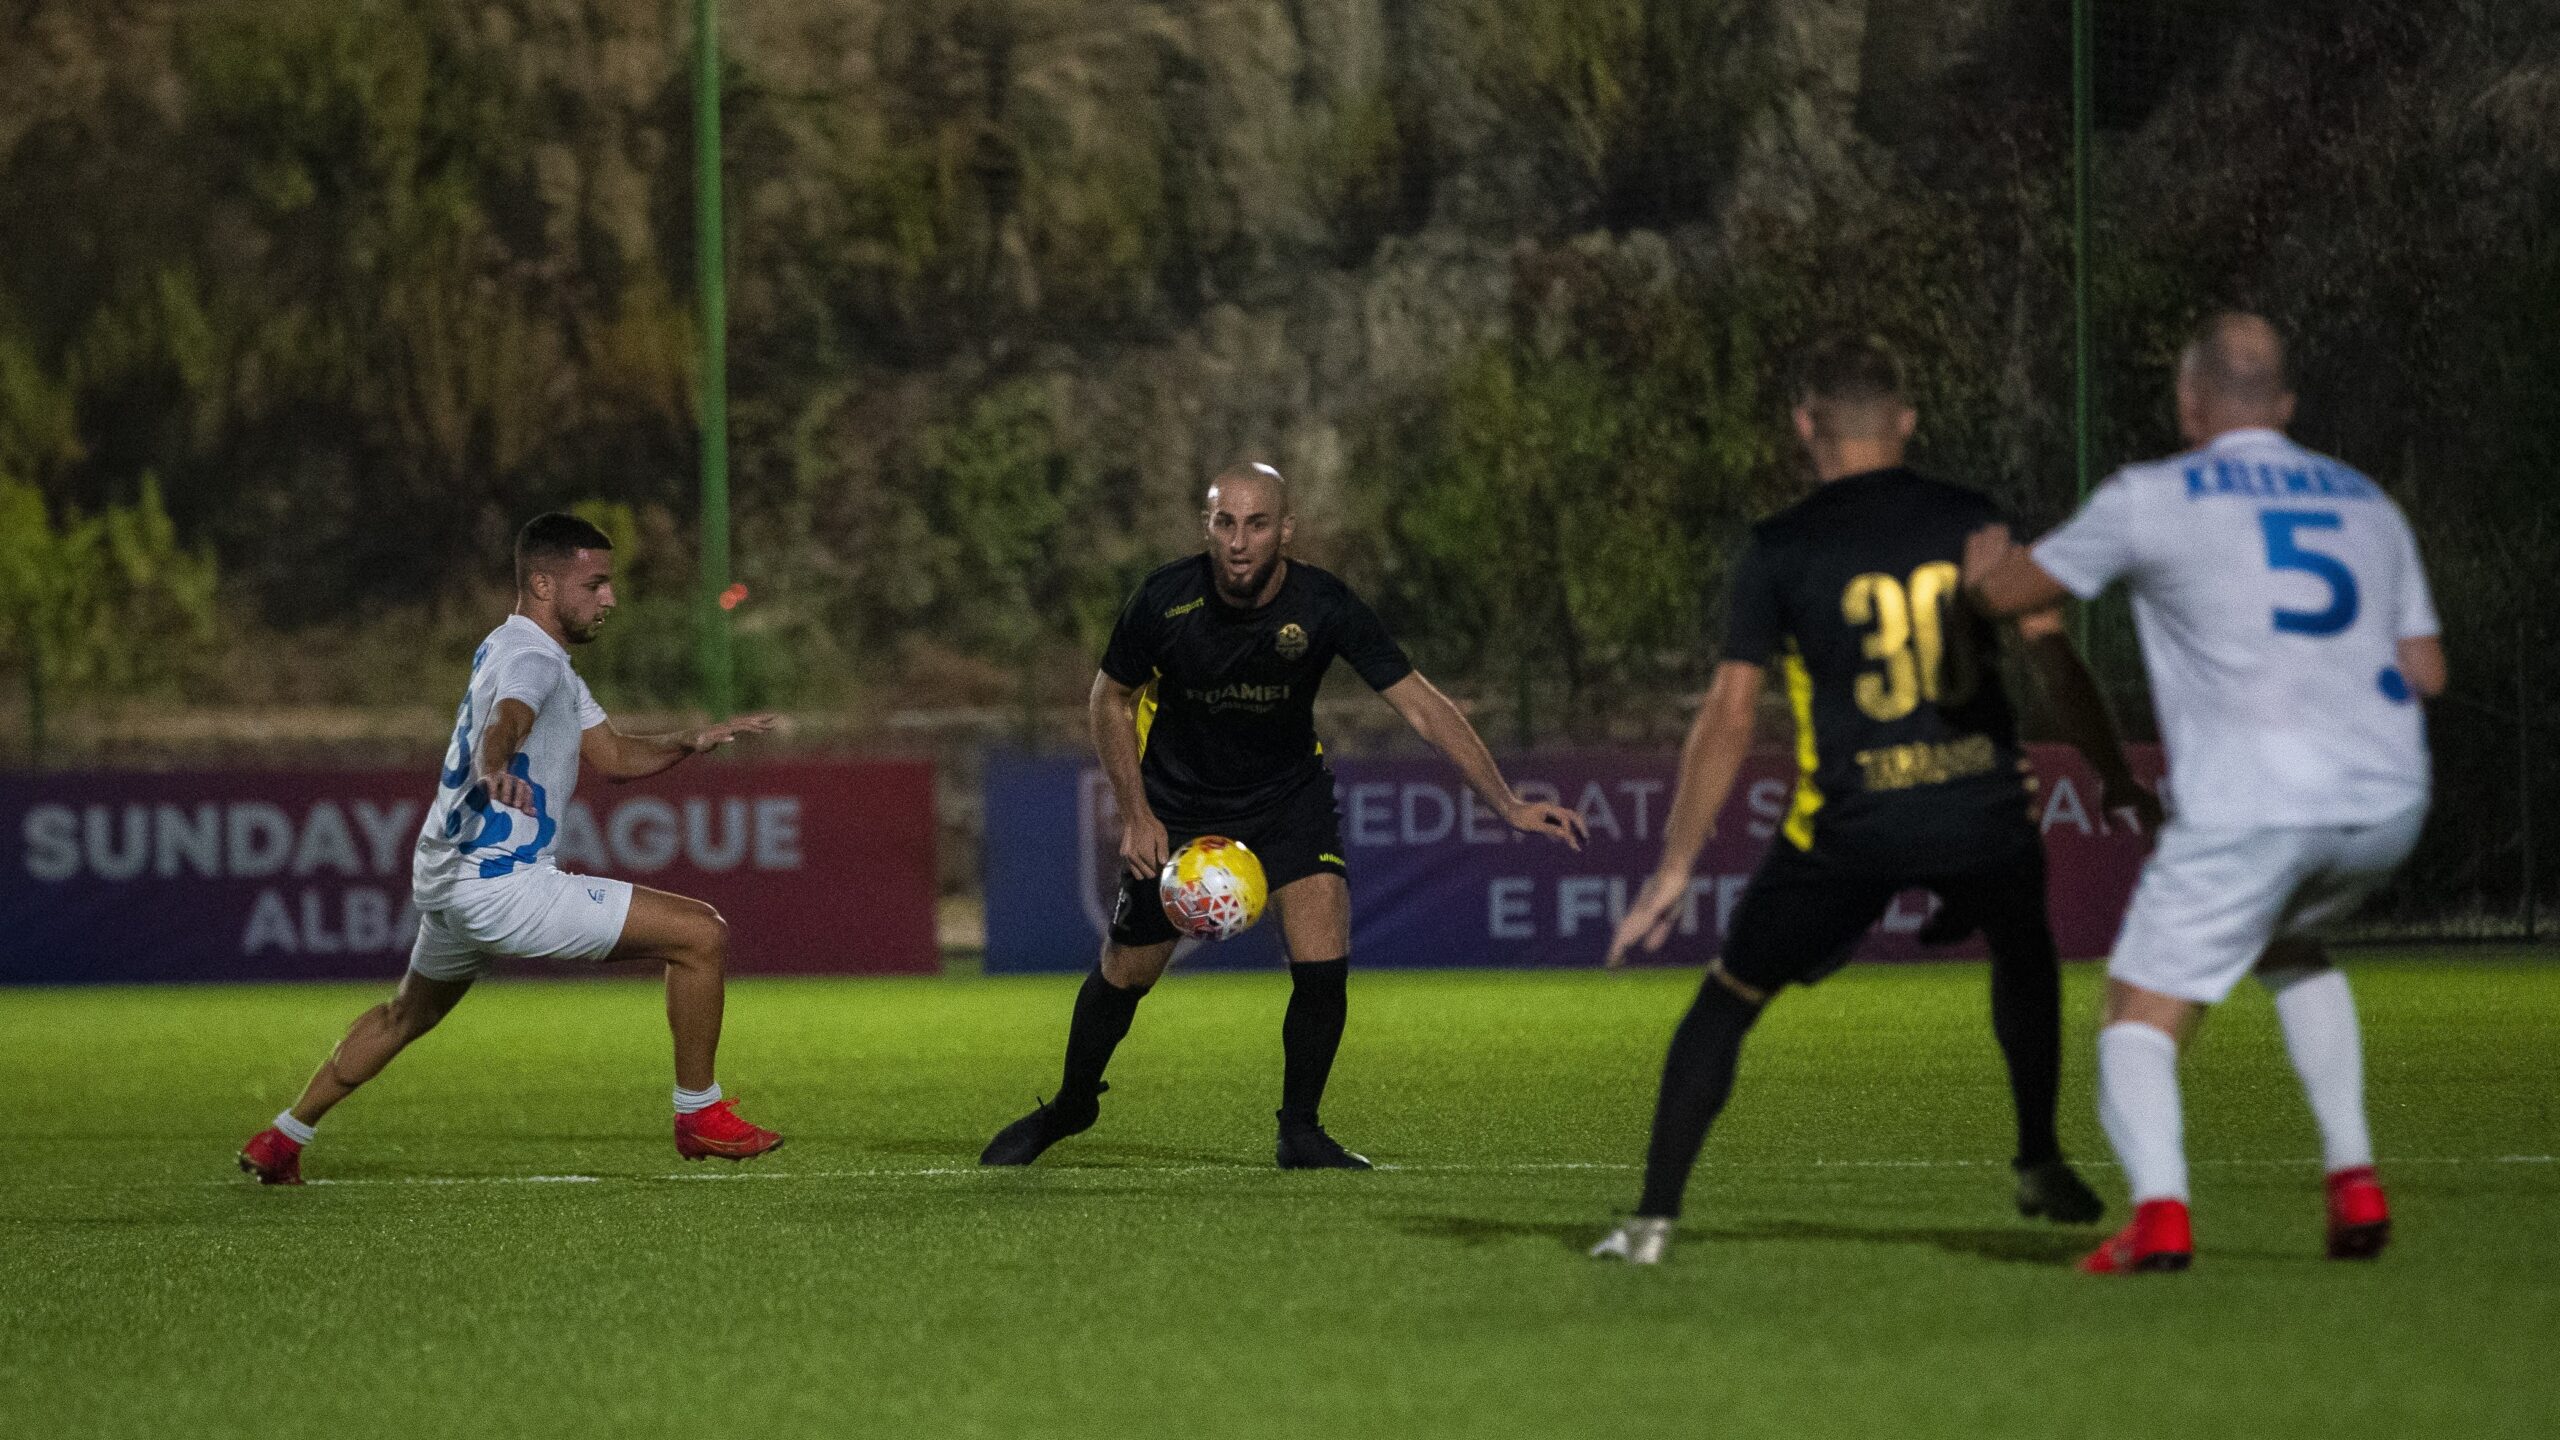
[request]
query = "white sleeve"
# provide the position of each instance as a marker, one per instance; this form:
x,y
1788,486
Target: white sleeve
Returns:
x,y
2094,548
2417,603
590,714
528,675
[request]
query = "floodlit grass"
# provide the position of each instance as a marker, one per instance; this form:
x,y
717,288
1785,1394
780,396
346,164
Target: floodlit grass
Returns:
x,y
507,1245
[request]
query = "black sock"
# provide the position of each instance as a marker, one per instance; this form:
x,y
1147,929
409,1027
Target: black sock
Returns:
x,y
1697,1076
2026,1017
1103,1013
1319,1000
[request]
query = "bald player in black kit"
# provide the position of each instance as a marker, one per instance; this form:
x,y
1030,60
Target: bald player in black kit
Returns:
x,y
1203,717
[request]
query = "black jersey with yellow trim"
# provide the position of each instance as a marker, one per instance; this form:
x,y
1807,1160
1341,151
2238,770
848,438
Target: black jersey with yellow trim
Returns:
x,y
1854,594
1227,693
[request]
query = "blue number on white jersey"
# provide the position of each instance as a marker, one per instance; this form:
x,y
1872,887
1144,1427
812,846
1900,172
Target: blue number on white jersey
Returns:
x,y
2285,552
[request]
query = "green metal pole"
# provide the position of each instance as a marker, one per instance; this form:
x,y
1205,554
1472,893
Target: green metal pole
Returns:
x,y
712,658
2080,377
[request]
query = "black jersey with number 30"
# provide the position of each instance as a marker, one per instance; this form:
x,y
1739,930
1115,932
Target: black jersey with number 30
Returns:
x,y
1226,725
1854,596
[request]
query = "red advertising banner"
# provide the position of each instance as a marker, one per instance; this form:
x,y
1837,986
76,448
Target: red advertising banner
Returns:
x,y
821,867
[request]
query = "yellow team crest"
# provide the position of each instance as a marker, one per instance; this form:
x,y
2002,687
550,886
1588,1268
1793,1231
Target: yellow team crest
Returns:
x,y
1291,641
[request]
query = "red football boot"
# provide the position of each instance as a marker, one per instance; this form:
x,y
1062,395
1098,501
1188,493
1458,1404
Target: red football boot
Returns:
x,y
272,1156
717,1130
2158,1239
2359,1218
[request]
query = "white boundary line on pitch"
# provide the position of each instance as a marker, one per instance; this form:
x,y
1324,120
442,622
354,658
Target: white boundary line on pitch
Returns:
x,y
927,1172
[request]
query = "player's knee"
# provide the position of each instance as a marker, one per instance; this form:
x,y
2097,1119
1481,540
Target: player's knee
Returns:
x,y
1728,990
706,942
2288,963
1129,967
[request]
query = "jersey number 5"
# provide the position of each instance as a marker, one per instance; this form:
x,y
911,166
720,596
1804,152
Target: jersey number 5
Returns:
x,y
2285,552
1910,639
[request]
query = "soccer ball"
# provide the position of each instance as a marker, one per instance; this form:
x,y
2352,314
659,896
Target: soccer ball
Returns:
x,y
1213,888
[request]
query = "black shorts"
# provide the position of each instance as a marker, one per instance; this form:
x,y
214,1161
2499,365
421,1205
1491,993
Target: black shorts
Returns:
x,y
1299,836
1803,913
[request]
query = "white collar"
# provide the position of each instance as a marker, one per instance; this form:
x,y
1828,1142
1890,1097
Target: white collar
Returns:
x,y
2246,435
516,618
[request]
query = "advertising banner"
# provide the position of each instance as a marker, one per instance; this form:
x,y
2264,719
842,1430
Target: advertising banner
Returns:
x,y
820,867
1437,879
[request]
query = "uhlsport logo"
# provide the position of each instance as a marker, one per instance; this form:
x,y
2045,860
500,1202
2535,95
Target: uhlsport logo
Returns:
x,y
1291,641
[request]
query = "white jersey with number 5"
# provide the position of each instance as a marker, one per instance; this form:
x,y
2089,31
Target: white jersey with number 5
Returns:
x,y
2271,586
466,838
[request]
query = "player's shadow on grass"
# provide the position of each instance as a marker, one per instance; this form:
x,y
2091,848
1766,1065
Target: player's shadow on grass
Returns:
x,y
1074,1154
2007,1244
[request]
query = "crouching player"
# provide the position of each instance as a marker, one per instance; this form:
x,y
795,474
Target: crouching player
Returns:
x,y
483,878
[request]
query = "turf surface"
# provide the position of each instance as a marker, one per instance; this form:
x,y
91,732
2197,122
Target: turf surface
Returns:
x,y
507,1245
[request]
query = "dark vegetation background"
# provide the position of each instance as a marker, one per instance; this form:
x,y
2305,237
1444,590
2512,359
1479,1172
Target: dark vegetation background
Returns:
x,y
304,304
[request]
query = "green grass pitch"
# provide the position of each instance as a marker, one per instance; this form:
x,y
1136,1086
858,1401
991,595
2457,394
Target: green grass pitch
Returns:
x,y
508,1246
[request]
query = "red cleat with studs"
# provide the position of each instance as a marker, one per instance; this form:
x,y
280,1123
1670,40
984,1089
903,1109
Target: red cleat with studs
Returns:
x,y
717,1130
272,1157
2159,1239
2359,1218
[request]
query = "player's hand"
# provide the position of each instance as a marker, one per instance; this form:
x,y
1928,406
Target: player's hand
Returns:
x,y
2130,794
1537,818
504,787
712,737
1143,845
1649,917
1984,550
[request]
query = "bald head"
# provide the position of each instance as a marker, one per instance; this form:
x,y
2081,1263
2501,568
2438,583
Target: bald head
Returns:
x,y
1269,489
2232,376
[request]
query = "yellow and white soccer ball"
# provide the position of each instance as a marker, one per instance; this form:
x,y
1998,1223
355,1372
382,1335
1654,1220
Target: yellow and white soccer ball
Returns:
x,y
1213,888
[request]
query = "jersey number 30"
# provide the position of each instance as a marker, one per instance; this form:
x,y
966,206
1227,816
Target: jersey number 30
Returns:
x,y
1910,640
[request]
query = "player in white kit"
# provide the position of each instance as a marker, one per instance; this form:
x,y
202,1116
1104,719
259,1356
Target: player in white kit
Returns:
x,y
2289,635
483,880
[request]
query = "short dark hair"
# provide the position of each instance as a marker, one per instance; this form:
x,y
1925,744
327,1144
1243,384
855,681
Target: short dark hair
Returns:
x,y
1851,370
554,537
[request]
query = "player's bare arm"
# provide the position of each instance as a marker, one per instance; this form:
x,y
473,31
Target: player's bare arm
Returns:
x,y
498,746
619,757
2422,665
2086,721
1113,714
1709,761
2002,578
1437,719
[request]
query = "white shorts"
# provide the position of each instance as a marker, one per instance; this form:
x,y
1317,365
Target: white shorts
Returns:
x,y
539,913
2211,900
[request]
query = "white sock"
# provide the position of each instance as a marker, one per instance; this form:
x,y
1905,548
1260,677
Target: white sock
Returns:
x,y
2318,1013
688,1101
294,1130
2138,1106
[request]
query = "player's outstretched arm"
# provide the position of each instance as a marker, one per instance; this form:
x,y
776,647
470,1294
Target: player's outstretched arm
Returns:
x,y
1437,719
2002,578
1709,761
619,757
1112,713
2081,707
